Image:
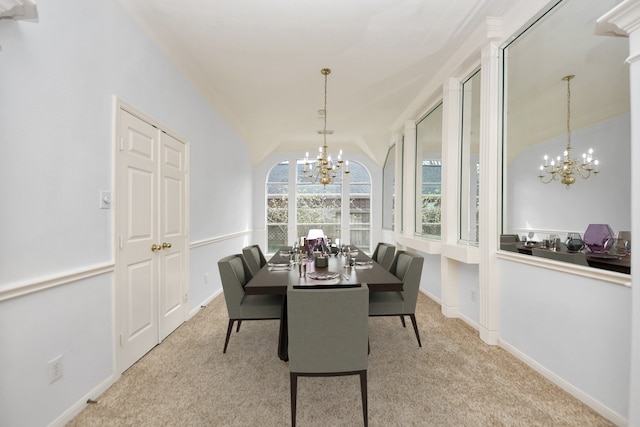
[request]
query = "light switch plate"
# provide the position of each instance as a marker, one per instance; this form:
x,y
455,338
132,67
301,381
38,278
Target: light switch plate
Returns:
x,y
105,199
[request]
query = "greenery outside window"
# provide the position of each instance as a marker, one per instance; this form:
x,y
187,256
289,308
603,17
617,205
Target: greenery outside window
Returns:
x,y
318,206
277,206
429,174
360,206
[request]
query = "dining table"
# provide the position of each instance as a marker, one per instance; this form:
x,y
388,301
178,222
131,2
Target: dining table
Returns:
x,y
349,268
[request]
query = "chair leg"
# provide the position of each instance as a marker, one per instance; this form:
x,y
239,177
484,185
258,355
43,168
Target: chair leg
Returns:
x,y
415,328
238,327
404,325
229,328
293,378
363,391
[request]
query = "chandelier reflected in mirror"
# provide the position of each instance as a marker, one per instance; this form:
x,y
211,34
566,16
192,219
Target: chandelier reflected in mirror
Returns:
x,y
324,170
565,169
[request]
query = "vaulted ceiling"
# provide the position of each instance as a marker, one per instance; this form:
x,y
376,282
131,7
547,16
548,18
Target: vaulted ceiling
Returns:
x,y
258,62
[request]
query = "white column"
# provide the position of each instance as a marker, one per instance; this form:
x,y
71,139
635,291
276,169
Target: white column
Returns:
x,y
407,162
490,167
345,216
624,20
449,204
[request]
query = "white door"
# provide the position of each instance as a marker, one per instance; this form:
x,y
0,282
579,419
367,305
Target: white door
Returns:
x,y
172,201
150,261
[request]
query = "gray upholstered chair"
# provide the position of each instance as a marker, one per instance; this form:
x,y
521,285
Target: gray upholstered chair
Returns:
x,y
234,273
407,267
571,257
383,254
328,336
254,257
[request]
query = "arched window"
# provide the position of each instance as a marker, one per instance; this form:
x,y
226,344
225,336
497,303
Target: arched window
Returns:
x,y
277,206
360,206
317,206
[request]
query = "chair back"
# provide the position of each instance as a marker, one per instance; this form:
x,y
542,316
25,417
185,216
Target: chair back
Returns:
x,y
407,267
384,254
234,274
254,257
328,329
570,257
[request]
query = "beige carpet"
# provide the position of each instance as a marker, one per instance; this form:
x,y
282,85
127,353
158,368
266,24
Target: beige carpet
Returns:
x,y
453,380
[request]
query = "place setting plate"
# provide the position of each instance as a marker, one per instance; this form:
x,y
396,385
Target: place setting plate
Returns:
x,y
279,266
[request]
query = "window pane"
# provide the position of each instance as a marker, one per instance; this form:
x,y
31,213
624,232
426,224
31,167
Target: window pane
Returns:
x,y
360,207
318,206
428,174
535,115
470,160
277,206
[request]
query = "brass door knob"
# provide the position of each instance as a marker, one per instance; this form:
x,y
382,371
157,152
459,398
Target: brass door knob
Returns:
x,y
166,245
155,248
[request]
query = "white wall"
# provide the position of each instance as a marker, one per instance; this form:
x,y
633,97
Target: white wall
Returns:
x,y
57,80
574,328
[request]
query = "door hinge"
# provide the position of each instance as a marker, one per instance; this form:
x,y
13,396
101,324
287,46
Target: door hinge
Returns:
x,y
121,143
120,242
121,341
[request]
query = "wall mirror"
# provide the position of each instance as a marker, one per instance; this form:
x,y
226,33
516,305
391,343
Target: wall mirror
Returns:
x,y
388,189
561,41
469,192
429,173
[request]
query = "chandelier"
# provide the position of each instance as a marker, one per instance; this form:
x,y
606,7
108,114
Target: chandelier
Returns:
x,y
565,169
324,170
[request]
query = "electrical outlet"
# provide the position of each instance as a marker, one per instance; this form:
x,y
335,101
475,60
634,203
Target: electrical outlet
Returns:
x,y
473,295
206,277
56,369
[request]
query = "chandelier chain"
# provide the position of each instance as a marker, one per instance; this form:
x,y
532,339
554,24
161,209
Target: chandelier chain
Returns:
x,y
568,79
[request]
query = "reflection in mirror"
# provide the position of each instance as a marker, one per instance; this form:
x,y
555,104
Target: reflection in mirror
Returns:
x,y
428,173
470,160
560,42
388,189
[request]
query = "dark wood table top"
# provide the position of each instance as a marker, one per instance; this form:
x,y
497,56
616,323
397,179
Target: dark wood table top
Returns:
x,y
274,281
620,264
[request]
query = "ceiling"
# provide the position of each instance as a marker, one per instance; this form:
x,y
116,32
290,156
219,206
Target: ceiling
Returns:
x,y
258,62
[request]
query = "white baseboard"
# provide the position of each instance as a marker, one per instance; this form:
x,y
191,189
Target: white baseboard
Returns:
x,y
597,406
493,338
204,303
79,406
431,296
